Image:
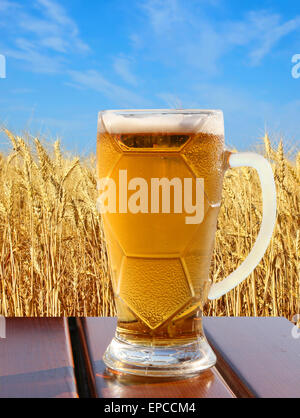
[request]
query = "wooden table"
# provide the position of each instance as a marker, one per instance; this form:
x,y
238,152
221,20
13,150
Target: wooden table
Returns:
x,y
56,357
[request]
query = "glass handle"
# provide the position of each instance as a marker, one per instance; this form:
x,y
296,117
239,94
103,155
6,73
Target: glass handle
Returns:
x,y
265,173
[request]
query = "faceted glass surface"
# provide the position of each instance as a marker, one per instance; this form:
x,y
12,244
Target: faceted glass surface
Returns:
x,y
154,289
160,264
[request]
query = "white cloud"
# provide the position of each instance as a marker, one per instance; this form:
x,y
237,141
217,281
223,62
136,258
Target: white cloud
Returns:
x,y
33,59
136,41
6,5
164,14
122,67
55,43
56,14
95,81
43,39
269,31
259,33
179,31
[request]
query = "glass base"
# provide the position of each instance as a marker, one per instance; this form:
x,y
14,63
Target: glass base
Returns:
x,y
164,361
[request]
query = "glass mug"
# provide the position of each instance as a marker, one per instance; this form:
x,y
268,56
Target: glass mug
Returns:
x,y
160,176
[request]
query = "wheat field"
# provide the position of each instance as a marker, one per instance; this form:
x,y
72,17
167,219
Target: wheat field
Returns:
x,y
53,259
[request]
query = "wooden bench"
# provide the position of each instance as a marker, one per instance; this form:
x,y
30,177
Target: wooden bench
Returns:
x,y
56,357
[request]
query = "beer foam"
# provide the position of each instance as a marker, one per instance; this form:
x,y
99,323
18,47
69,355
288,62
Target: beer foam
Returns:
x,y
210,122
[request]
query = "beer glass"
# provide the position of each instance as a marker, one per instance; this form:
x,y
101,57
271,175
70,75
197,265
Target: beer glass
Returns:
x,y
160,176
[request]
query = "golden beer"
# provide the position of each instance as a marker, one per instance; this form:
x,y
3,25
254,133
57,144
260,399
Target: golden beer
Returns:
x,y
159,263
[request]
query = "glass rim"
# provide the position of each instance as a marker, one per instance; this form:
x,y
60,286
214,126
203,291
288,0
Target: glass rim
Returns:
x,y
163,111
147,120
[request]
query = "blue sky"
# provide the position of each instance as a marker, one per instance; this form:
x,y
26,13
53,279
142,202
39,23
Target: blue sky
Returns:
x,y
68,59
